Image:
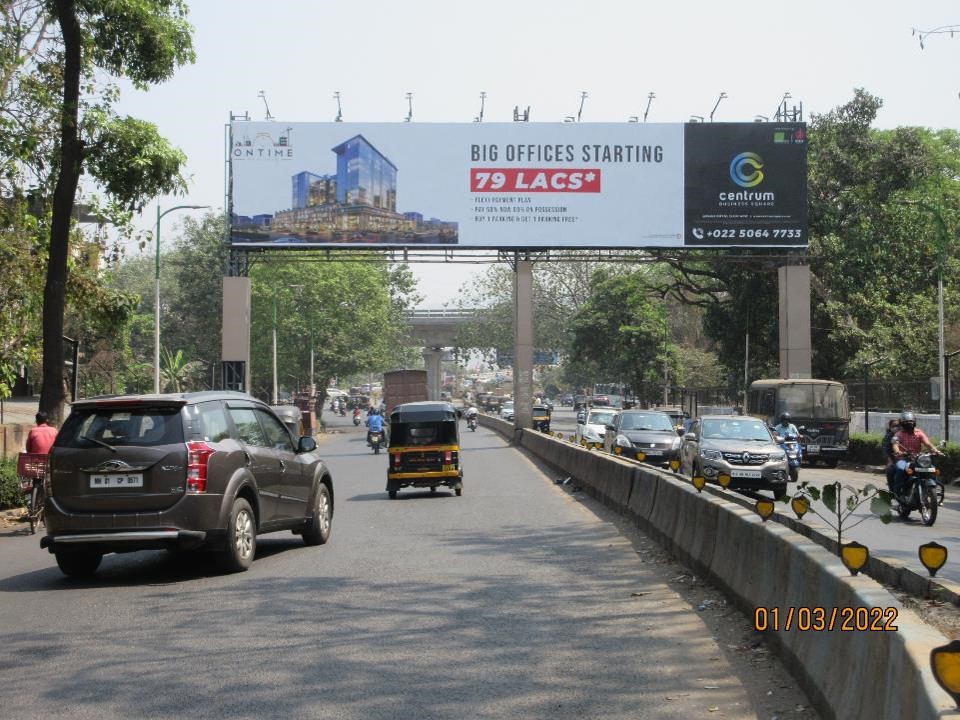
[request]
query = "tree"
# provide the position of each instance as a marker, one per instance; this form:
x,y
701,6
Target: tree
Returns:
x,y
178,373
621,333
351,313
560,289
145,41
870,253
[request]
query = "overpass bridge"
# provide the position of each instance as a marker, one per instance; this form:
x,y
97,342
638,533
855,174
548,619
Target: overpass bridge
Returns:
x,y
434,330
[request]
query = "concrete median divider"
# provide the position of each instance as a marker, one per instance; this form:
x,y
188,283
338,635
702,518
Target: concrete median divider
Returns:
x,y
855,665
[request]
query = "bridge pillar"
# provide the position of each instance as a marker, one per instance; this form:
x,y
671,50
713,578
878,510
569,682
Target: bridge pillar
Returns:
x,y
795,345
523,345
432,356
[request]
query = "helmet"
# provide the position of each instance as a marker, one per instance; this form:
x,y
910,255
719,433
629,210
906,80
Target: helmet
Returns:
x,y
784,417
907,420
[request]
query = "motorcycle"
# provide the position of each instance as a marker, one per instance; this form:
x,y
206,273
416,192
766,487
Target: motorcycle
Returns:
x,y
342,410
472,423
356,416
791,446
376,439
922,491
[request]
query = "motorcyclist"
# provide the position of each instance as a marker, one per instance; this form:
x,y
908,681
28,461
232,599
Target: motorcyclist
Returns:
x,y
909,440
471,412
374,424
785,427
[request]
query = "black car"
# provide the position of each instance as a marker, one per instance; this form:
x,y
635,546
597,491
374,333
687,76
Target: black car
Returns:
x,y
645,432
205,471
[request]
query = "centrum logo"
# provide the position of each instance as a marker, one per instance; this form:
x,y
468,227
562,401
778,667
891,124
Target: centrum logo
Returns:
x,y
746,178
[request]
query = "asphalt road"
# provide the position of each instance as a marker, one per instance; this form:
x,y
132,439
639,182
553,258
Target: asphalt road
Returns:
x,y
512,601
899,539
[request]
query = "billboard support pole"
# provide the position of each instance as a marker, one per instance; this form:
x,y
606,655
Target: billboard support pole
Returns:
x,y
522,342
795,344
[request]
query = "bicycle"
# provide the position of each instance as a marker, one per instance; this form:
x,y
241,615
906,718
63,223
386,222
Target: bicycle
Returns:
x,y
32,470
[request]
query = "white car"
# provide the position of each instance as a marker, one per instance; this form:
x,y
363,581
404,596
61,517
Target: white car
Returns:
x,y
506,412
593,430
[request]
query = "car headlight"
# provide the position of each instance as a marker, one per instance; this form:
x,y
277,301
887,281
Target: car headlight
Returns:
x,y
778,455
591,434
710,454
624,441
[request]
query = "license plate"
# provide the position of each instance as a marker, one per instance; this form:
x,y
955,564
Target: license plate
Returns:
x,y
813,449
651,452
752,474
447,467
115,481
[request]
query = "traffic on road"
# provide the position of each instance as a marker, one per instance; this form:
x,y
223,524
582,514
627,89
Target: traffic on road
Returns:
x,y
515,600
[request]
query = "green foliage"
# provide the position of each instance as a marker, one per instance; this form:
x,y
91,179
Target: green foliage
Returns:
x,y
134,163
10,494
842,501
21,292
177,374
874,242
559,290
621,333
351,313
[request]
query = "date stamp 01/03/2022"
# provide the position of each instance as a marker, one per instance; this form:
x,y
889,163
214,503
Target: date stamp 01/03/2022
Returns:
x,y
826,619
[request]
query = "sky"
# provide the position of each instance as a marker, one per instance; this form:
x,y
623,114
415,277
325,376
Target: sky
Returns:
x,y
542,54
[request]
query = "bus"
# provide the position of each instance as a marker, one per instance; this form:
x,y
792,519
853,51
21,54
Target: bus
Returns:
x,y
819,408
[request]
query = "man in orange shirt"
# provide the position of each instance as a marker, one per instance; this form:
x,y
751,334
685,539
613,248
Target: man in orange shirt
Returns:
x,y
909,440
41,438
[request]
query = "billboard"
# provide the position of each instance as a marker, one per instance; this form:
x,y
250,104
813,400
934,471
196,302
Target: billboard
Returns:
x,y
518,185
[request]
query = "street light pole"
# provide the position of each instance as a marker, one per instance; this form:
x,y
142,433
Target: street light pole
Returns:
x,y
156,293
313,386
274,345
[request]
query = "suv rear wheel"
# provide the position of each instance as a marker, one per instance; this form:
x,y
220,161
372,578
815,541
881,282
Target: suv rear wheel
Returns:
x,y
241,538
78,563
319,530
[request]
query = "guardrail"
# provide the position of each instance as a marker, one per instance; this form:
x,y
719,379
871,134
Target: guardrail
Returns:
x,y
766,565
440,313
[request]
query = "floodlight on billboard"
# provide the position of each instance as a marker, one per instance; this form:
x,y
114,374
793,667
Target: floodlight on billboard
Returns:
x,y
518,185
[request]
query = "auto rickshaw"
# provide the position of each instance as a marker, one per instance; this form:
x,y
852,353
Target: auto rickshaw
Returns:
x,y
424,447
541,418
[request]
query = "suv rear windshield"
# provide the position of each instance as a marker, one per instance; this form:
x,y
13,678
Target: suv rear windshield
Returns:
x,y
140,426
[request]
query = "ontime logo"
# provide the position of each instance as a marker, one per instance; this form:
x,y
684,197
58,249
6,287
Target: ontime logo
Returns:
x,y
740,173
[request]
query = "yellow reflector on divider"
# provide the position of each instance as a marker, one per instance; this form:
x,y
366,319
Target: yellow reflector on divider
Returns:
x,y
617,450
675,465
698,482
800,506
764,508
854,556
723,479
945,663
933,556
641,456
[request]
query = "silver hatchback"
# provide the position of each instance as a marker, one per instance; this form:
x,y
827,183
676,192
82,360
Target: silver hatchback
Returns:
x,y
741,447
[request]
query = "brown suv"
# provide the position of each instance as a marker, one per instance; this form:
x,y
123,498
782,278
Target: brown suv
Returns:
x,y
207,470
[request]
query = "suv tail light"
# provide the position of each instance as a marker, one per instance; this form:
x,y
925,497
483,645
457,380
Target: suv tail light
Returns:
x,y
198,455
